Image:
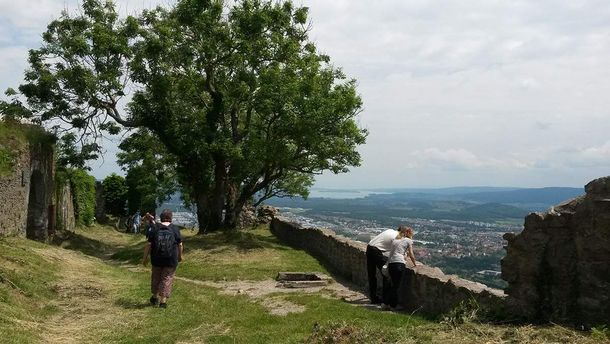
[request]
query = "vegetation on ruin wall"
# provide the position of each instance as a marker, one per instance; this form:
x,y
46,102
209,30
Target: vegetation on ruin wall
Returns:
x,y
14,137
83,193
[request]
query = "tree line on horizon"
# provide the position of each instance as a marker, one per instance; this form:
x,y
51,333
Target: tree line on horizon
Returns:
x,y
230,103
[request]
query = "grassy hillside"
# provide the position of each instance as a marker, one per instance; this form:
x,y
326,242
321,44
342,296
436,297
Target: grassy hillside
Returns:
x,y
91,290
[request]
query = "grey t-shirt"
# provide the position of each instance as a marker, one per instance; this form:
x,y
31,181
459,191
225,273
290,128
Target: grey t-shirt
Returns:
x,y
399,248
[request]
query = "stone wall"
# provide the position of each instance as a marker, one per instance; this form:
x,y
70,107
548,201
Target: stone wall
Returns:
x,y
66,220
26,193
558,267
14,193
431,291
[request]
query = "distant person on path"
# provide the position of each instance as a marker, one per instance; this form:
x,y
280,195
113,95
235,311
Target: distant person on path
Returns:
x,y
149,222
137,220
377,252
129,224
165,249
402,247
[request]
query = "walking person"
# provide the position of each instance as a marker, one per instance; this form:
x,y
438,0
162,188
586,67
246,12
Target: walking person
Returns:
x,y
137,220
402,247
377,252
165,248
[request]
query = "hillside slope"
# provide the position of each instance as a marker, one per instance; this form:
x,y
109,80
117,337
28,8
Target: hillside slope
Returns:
x,y
92,291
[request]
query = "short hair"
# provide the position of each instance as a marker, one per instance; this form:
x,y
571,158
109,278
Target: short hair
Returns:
x,y
166,215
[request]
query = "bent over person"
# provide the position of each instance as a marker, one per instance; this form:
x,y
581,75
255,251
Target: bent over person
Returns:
x,y
377,252
165,249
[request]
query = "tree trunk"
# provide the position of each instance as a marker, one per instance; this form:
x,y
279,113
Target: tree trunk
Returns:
x,y
203,216
231,216
210,205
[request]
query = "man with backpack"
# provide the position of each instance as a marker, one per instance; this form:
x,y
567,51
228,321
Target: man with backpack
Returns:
x,y
165,249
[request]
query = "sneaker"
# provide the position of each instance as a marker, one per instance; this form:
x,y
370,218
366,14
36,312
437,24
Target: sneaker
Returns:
x,y
163,305
154,301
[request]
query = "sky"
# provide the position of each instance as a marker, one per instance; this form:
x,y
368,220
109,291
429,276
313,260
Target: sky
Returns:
x,y
456,93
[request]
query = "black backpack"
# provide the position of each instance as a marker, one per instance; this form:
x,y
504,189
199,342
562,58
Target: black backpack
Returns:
x,y
165,242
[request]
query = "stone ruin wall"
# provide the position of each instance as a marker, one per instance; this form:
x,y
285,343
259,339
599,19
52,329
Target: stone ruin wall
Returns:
x,y
66,219
558,267
14,192
29,204
431,291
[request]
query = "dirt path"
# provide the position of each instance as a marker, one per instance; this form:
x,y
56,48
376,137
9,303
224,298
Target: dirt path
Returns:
x,y
268,294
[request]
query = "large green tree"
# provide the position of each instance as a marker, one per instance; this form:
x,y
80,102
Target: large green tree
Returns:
x,y
236,94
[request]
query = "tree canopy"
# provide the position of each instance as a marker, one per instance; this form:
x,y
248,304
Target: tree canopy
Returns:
x,y
242,103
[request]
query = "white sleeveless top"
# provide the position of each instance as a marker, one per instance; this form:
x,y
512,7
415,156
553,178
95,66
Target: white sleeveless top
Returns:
x,y
399,248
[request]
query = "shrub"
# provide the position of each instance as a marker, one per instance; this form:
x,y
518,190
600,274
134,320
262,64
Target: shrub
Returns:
x,y
115,194
83,191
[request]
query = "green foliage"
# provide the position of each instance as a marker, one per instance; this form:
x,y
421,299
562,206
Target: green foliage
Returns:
x,y
465,312
600,332
71,155
15,137
151,177
115,194
243,103
83,193
7,161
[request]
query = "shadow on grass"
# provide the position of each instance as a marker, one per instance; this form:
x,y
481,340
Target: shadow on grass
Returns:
x,y
133,304
88,246
242,241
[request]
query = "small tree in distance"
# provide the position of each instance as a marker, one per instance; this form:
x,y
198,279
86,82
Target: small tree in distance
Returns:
x,y
115,194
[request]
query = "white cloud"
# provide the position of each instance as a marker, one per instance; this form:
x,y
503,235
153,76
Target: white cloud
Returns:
x,y
486,92
459,159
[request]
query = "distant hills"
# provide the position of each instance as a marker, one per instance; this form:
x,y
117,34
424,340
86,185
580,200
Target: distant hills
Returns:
x,y
487,204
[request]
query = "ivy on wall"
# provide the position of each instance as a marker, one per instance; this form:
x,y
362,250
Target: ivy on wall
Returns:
x,y
83,193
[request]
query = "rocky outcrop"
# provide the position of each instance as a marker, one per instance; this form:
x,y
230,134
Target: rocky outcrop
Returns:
x,y
558,267
430,290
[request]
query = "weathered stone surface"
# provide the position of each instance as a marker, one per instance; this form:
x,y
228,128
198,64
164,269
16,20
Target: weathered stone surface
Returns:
x,y
302,279
430,290
247,217
266,213
66,220
26,194
558,267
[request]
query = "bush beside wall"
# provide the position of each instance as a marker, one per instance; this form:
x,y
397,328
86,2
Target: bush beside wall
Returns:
x,y
83,193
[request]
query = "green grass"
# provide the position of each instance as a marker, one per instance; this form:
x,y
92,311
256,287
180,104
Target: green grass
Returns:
x,y
92,290
14,137
26,281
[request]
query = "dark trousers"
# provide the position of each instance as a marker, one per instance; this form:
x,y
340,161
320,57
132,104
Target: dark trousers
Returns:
x,y
397,272
374,261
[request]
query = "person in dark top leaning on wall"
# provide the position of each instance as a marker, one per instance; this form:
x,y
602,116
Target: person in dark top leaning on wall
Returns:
x,y
402,248
165,249
377,252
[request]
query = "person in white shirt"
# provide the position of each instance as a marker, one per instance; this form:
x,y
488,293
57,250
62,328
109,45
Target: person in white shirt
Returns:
x,y
377,252
402,247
